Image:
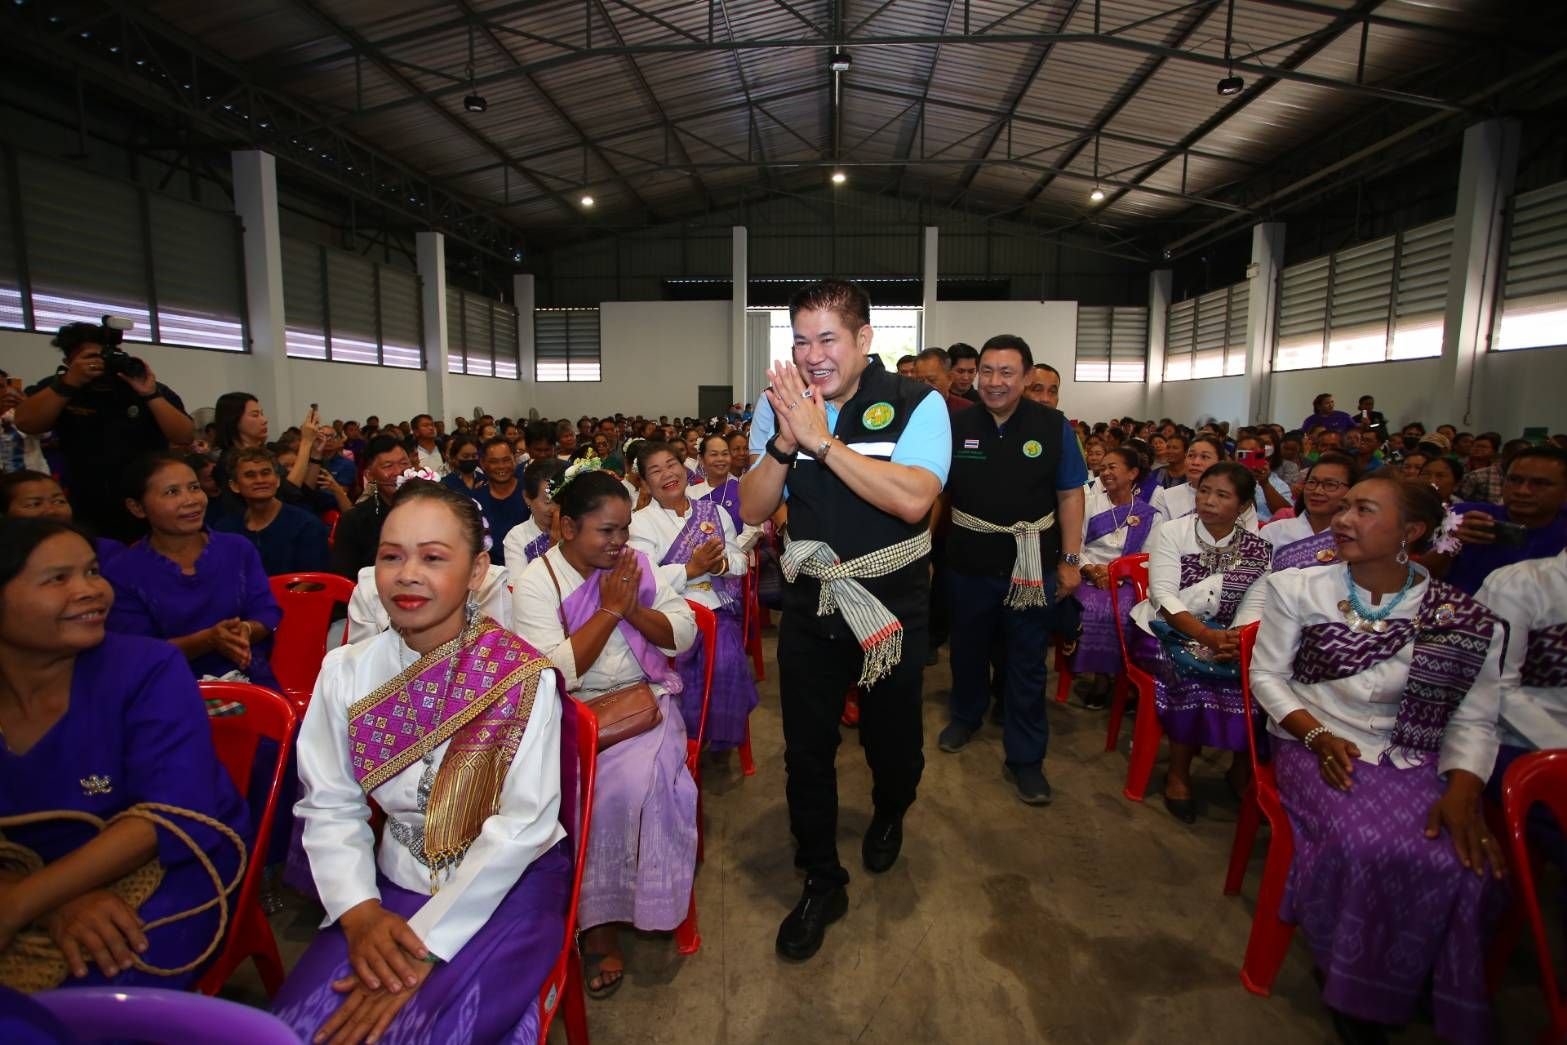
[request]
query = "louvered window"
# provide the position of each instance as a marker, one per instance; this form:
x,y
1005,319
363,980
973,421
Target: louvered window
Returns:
x,y
481,335
348,309
1533,311
1425,256
1112,343
566,344
1206,336
1303,314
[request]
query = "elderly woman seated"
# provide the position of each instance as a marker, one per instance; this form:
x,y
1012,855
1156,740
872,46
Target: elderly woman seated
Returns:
x,y
33,495
697,551
445,927
96,723
1381,687
606,619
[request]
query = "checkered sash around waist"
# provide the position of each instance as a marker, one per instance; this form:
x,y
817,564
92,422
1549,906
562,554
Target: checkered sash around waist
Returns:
x,y
1452,636
1028,570
1545,659
879,632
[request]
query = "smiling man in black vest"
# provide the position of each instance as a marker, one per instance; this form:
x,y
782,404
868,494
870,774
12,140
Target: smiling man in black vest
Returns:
x,y
1016,493
861,455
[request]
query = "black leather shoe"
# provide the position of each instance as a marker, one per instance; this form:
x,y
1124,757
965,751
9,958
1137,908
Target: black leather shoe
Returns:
x,y
801,934
1183,809
1352,1031
883,840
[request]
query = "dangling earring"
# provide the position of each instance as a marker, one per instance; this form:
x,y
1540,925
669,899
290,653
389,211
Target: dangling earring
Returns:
x,y
1402,558
470,609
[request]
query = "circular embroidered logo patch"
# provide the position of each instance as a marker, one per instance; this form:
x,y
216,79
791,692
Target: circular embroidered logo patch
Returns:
x,y
1326,555
877,416
706,527
1032,448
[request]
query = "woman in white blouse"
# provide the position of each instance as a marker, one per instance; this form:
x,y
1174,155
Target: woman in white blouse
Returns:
x,y
1180,500
465,893
1381,688
1202,574
697,552
1115,523
605,618
532,537
1307,538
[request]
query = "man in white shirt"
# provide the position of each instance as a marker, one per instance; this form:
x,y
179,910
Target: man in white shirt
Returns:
x,y
426,447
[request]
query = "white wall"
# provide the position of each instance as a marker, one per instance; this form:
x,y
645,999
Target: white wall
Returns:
x,y
1050,328
198,376
1522,389
1405,391
1187,402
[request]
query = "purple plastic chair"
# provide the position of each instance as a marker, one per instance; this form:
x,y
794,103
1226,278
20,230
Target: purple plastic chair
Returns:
x,y
157,1015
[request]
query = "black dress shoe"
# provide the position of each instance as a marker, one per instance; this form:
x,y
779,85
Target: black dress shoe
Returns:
x,y
801,934
1183,809
1353,1031
883,840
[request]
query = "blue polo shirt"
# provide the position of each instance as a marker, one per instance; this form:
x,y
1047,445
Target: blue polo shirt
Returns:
x,y
926,441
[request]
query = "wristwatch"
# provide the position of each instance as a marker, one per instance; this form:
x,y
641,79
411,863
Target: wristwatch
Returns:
x,y
777,454
1072,558
822,448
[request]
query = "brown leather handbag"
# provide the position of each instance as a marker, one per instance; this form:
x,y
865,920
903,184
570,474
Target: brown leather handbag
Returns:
x,y
621,713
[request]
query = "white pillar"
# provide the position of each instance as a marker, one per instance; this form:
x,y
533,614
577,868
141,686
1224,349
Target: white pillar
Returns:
x,y
523,296
1262,317
1486,174
1159,283
743,386
431,253
932,271
255,201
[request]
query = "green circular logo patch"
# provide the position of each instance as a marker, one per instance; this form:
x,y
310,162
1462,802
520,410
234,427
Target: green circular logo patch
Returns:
x,y
1032,448
878,416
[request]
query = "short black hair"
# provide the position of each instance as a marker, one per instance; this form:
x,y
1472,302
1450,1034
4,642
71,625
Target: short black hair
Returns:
x,y
962,350
905,359
938,354
1239,476
381,444
539,431
849,300
19,538
1047,366
1009,343
1547,452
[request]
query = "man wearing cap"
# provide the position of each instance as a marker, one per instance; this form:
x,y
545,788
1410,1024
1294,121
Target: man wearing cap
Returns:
x,y
861,456
1016,493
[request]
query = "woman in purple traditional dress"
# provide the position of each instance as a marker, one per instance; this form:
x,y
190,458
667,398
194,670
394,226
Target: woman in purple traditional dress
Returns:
x,y
1382,689
31,495
204,593
97,723
1202,586
445,929
598,609
1115,523
696,547
1307,539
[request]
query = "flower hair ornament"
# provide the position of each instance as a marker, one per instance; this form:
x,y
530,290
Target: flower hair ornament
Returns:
x,y
428,476
588,462
1446,541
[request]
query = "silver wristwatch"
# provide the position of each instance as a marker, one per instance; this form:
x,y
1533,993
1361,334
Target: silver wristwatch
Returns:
x,y
1072,558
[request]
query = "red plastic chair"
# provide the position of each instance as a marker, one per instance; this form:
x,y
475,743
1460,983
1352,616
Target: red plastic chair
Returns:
x,y
751,629
688,939
1270,938
1146,730
299,645
1063,669
267,714
579,732
1537,777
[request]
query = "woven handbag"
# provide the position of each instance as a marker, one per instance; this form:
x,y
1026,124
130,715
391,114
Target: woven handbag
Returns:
x,y
33,962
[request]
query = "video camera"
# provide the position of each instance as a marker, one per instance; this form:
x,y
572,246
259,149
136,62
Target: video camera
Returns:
x,y
109,333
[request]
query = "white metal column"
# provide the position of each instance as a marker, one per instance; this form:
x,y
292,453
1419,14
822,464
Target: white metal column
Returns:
x,y
523,296
1262,317
744,386
255,201
1486,174
431,254
931,270
1159,283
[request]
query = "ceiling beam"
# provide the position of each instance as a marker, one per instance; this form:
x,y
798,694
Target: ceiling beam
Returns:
x,y
919,116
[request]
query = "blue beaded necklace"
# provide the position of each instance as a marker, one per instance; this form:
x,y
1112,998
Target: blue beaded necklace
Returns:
x,y
1360,616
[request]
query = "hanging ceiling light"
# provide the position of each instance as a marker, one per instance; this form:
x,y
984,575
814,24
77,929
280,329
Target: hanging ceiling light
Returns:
x,y
587,201
1098,195
1231,84
474,102
839,61
838,177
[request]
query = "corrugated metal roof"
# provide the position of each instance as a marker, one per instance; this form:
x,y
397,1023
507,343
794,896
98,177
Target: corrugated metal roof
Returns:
x,y
669,106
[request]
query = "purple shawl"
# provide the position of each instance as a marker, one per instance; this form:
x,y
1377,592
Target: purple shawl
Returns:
x,y
1452,635
1545,662
1253,560
536,547
727,496
1317,550
1146,485
584,603
1137,517
702,525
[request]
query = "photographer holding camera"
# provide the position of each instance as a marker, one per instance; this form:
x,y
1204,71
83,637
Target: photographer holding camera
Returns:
x,y
107,408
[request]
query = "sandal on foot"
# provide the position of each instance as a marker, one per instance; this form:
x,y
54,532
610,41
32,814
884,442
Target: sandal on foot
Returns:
x,y
593,969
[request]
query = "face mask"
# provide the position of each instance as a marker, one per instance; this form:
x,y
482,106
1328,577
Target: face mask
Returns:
x,y
467,467
1267,450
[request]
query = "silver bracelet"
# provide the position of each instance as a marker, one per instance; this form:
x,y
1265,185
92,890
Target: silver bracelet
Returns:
x,y
1313,734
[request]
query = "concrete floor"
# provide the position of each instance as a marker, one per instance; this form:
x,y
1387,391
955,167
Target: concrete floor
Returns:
x,y
1094,919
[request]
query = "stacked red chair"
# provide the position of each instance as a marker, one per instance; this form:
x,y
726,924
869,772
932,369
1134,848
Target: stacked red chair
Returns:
x,y
579,734
266,714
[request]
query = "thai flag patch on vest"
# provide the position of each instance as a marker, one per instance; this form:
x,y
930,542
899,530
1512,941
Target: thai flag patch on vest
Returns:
x,y
971,444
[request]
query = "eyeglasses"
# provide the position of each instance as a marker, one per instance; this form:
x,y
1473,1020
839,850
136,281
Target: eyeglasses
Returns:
x,y
1325,485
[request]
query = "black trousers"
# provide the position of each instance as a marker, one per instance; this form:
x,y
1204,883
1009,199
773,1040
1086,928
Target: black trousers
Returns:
x,y
819,661
940,593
